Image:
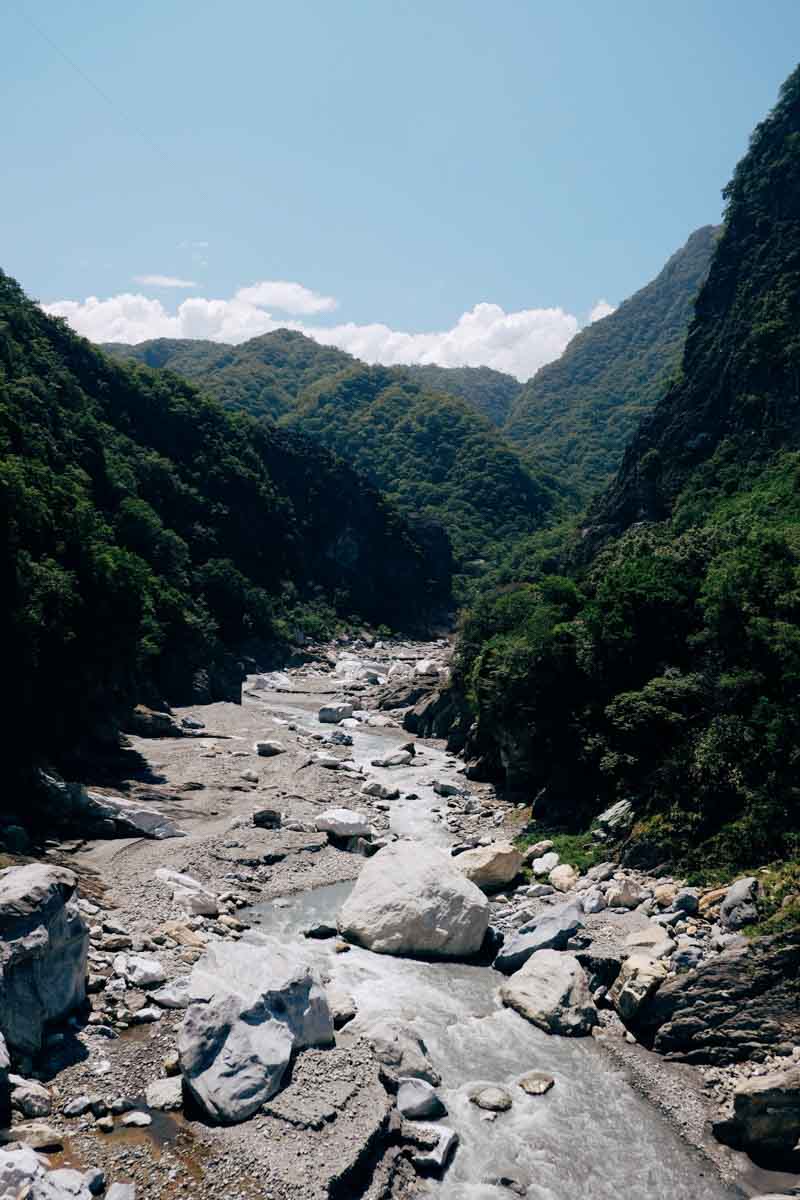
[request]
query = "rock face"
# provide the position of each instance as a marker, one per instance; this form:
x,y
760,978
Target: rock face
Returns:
x,y
492,866
5,1087
43,951
254,1002
551,991
412,899
766,1115
743,1000
551,930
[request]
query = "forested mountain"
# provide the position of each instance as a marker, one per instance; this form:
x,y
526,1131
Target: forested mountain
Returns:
x,y
147,535
576,415
263,376
431,454
490,392
665,669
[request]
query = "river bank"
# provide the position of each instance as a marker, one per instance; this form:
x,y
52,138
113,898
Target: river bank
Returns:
x,y
330,1130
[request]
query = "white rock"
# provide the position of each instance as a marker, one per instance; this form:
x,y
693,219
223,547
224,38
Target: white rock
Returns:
x,y
343,822
259,1000
381,790
551,991
652,940
166,1094
191,896
332,714
593,900
490,866
563,877
544,865
18,1170
143,972
624,893
412,899
640,976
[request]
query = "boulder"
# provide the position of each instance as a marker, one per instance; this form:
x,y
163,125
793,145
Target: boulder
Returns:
x,y
381,791
740,905
593,900
343,823
165,1094
140,971
537,850
121,1191
150,723
401,1051
551,991
652,940
625,893
640,976
740,1002
129,817
44,945
438,1145
491,1098
443,788
269,749
193,897
401,758
617,819
332,714
536,1083
5,1086
766,1116
491,867
412,899
254,1003
19,1168
30,1098
545,864
550,930
267,818
563,877
419,1101
64,1183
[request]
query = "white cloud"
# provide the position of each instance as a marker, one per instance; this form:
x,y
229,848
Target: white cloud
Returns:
x,y
601,309
165,281
486,335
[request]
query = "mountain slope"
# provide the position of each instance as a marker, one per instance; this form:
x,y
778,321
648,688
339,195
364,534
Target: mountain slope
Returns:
x,y
146,536
577,414
666,671
431,454
491,393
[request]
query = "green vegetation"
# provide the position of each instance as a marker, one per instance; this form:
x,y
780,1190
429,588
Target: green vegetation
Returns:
x,y
577,849
147,537
662,665
491,393
780,899
576,415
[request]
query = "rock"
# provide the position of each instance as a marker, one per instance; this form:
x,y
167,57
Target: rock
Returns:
x,y
320,930
537,850
740,904
129,817
551,992
686,958
269,749
617,819
137,1120
343,823
536,1083
593,900
493,1099
343,1007
165,1094
402,1051
412,899
401,758
686,901
711,900
62,1184
105,1124
249,776
149,723
174,994
442,788
418,1101
19,1168
640,976
766,1117
563,877
491,867
36,1135
380,790
332,714
651,940
141,972
740,1002
44,945
436,1157
267,818
77,1107
625,893
30,1098
550,930
544,865
5,1086
258,1001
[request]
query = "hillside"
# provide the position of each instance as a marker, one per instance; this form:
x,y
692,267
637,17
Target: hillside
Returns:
x,y
665,671
431,454
148,536
490,392
576,415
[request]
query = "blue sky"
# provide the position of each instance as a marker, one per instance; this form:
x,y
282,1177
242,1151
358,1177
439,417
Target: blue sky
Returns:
x,y
407,161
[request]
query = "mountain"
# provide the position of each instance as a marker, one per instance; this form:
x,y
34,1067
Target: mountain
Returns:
x,y
147,537
577,414
431,454
664,668
491,393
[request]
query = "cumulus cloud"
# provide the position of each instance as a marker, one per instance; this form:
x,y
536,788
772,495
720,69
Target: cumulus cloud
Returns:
x,y
601,309
486,335
164,281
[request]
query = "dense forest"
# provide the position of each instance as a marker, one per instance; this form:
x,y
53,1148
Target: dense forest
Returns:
x,y
491,392
663,666
577,415
147,537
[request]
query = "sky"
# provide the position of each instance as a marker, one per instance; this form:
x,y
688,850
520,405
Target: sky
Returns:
x,y
447,181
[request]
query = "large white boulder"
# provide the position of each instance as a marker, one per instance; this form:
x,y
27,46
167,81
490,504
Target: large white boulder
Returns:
x,y
552,992
19,1168
640,976
44,944
254,1002
193,897
343,823
412,899
490,866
